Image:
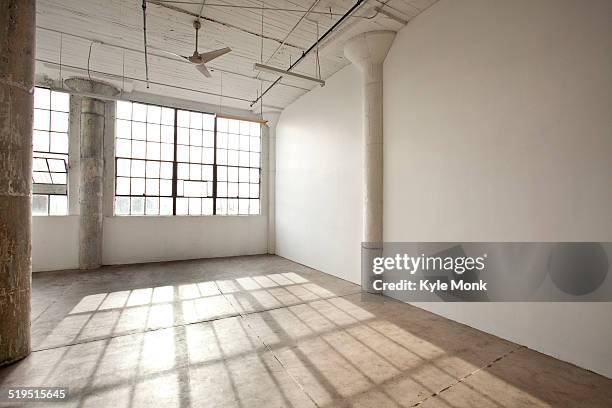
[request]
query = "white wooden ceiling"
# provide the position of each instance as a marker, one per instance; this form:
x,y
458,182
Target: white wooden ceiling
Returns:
x,y
107,37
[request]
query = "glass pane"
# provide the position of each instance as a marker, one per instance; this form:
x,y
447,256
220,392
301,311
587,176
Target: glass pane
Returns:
x,y
137,206
234,126
195,137
59,121
255,129
254,160
153,152
152,187
60,101
182,206
138,186
40,141
245,127
244,142
221,189
165,171
167,134
243,207
123,167
243,175
165,206
165,188
39,164
207,206
208,122
40,204
167,117
123,129
244,159
254,190
195,172
182,171
232,174
221,206
167,151
59,142
221,173
255,144
58,205
254,207
195,154
222,125
152,206
153,132
221,140
195,121
232,206
243,190
124,110
139,149
139,112
56,165
42,98
153,114
254,176
233,141
138,168
208,155
123,148
41,119
123,186
58,178
182,118
182,136
152,169
122,205
207,173
232,189
139,131
182,153
232,157
195,206
41,178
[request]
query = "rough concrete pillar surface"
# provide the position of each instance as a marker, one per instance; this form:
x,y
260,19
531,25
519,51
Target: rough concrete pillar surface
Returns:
x,y
368,51
91,159
17,47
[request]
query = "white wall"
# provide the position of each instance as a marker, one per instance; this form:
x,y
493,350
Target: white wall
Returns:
x,y
149,239
498,127
318,178
55,243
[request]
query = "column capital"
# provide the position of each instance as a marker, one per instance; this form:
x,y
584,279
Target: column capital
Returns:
x,y
91,87
369,48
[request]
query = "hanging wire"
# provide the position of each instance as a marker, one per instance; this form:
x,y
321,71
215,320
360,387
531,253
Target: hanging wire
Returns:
x,y
318,62
123,73
60,60
221,93
89,60
262,32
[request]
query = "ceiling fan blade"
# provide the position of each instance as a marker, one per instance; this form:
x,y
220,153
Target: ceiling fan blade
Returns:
x,y
202,68
171,53
211,55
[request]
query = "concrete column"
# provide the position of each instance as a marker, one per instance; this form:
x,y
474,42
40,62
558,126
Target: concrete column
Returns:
x,y
272,118
91,163
17,47
368,51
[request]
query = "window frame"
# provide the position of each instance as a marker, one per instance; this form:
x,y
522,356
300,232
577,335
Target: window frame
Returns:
x,y
52,189
175,162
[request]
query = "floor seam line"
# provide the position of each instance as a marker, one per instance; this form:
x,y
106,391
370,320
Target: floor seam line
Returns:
x,y
468,375
238,314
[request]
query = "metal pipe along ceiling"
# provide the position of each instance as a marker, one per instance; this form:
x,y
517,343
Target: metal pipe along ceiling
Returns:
x,y
313,46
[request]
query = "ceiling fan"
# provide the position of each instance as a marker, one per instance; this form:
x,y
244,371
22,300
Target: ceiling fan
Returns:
x,y
200,59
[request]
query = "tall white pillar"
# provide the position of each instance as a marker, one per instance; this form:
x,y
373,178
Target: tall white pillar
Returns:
x,y
368,51
272,118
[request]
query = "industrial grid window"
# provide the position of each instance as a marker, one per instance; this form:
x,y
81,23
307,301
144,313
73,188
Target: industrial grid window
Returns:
x,y
50,152
179,162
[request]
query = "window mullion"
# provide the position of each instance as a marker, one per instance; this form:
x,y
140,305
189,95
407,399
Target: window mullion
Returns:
x,y
174,165
215,168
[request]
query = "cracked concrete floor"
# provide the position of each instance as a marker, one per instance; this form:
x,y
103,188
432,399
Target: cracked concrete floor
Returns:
x,y
262,331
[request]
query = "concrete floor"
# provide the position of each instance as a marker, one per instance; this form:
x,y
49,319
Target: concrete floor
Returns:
x,y
262,331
